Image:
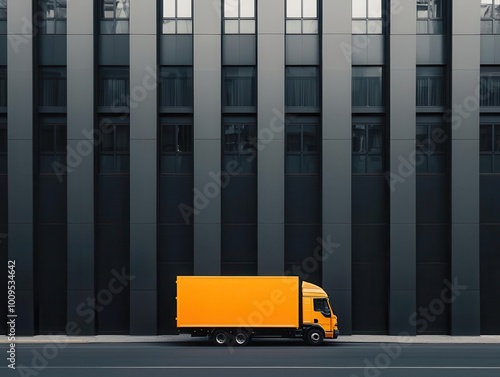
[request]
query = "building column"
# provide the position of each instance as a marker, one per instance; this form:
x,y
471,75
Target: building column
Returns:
x,y
465,309
20,157
271,137
80,128
207,137
402,120
337,155
143,167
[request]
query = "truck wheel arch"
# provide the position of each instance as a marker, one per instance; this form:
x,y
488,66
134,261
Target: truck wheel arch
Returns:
x,y
314,335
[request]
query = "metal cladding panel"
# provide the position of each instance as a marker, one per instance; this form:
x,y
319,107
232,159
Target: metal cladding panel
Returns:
x,y
264,301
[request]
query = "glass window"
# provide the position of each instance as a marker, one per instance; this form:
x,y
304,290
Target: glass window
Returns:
x,y
176,149
367,17
177,17
240,147
239,87
114,149
490,87
53,86
176,87
490,148
3,9
490,16
52,148
430,17
239,16
115,16
302,87
3,86
367,86
430,85
302,149
3,147
114,87
368,148
302,17
432,144
321,305
54,16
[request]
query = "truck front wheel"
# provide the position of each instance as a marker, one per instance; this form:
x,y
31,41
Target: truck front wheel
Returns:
x,y
220,338
314,337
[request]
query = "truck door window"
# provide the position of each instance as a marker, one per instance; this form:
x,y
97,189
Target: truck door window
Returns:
x,y
321,305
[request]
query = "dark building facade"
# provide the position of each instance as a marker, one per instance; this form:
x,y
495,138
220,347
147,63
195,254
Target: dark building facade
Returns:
x,y
355,143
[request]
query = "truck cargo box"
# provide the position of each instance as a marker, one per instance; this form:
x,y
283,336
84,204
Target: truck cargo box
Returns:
x,y
231,302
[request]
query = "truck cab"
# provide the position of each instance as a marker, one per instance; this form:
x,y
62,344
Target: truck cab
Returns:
x,y
317,313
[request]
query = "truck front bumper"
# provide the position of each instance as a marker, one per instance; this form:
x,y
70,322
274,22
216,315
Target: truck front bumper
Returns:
x,y
335,334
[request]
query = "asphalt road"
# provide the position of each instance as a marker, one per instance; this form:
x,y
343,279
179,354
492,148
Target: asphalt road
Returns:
x,y
261,358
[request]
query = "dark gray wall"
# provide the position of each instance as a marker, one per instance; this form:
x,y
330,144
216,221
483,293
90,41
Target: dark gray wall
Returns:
x,y
465,316
81,235
402,120
143,144
270,134
207,134
20,141
337,145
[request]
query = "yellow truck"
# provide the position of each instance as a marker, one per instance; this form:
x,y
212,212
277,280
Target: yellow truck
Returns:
x,y
231,310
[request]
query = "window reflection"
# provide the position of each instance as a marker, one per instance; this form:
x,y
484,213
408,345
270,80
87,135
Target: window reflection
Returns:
x,y
239,16
116,9
310,9
302,17
169,8
231,8
490,16
367,17
184,8
293,8
374,9
302,87
367,148
247,8
240,147
359,8
367,86
302,148
430,85
432,142
3,9
177,17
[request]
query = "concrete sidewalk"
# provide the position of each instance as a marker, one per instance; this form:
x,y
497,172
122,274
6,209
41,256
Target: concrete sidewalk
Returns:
x,y
421,339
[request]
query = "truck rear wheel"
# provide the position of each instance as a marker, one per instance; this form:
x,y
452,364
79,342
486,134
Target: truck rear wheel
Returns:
x,y
242,338
220,337
314,337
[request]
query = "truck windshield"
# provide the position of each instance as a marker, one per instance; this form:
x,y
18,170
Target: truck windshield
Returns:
x,y
321,305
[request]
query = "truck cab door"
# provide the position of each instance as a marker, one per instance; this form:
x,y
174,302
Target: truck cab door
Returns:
x,y
322,316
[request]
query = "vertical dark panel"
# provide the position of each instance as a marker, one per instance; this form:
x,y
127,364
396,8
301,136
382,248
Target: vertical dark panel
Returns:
x,y
113,254
51,254
51,262
175,244
239,249
370,255
3,273
3,225
239,226
490,254
303,226
433,253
